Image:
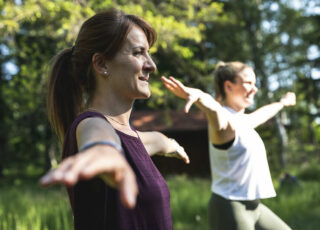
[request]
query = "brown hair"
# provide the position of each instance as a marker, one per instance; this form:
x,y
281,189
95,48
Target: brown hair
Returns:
x,y
226,71
71,79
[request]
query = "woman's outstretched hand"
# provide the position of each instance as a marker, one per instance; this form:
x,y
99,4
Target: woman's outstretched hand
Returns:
x,y
191,95
289,99
177,151
103,161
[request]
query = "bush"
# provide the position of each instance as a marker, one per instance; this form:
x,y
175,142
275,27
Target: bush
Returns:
x,y
310,172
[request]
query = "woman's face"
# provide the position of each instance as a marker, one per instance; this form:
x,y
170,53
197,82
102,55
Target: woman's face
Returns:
x,y
242,91
129,70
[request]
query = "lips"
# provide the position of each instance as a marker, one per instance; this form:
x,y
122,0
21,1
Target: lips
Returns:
x,y
144,78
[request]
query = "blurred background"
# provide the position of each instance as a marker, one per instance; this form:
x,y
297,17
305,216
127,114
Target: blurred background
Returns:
x,y
280,39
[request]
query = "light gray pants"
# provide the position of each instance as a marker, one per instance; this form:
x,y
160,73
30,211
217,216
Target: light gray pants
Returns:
x,y
242,215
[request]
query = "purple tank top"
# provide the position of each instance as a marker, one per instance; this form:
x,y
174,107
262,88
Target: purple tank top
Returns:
x,y
96,206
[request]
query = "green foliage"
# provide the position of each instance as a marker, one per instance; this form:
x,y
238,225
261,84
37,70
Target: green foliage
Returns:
x,y
192,37
310,171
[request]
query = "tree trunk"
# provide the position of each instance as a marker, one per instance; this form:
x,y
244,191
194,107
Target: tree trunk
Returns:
x,y
283,141
253,27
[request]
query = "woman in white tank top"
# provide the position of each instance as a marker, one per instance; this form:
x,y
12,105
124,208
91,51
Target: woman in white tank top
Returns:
x,y
239,166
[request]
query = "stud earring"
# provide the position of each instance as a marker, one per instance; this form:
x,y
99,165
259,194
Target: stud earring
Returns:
x,y
105,72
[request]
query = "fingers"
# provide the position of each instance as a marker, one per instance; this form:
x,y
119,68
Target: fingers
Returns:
x,y
57,176
168,83
171,81
175,87
176,82
178,151
102,161
188,105
179,90
183,155
72,169
128,189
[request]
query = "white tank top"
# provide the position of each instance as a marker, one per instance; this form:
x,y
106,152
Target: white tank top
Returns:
x,y
242,171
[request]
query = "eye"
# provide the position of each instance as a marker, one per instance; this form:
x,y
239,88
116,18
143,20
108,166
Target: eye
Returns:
x,y
137,53
249,83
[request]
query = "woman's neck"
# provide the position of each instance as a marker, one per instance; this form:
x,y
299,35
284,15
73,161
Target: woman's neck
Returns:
x,y
115,111
233,106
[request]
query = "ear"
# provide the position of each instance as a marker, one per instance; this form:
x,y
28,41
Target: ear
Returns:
x,y
228,86
99,64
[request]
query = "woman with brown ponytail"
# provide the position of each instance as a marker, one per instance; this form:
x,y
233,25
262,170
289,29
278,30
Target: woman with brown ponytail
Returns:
x,y
92,88
239,166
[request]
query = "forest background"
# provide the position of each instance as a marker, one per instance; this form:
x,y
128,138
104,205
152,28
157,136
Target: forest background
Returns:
x,y
279,39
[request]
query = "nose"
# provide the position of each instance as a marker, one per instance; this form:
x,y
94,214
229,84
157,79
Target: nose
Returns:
x,y
254,88
149,65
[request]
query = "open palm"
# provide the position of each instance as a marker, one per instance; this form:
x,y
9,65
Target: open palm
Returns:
x,y
176,87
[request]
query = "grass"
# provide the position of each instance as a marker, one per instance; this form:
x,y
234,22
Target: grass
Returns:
x,y
26,206
298,206
189,199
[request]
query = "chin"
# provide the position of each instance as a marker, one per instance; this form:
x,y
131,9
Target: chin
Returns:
x,y
144,95
250,101
247,104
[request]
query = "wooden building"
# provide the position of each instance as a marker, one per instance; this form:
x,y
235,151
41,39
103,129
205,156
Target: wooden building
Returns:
x,y
189,130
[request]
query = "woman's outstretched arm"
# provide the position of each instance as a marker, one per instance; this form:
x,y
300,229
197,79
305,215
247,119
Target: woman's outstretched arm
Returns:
x,y
157,143
266,112
101,160
220,125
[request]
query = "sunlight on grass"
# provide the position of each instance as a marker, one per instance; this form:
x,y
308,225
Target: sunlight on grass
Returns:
x,y
298,206
30,207
24,205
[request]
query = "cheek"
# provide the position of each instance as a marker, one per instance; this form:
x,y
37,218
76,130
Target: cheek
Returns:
x,y
135,65
129,66
248,89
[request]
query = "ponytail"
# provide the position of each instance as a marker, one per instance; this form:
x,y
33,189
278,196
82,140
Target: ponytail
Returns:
x,y
218,82
64,97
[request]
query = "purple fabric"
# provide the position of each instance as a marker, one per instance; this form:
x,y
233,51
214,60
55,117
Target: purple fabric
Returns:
x,y
97,206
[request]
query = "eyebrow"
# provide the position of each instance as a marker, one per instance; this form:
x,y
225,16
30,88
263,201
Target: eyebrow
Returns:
x,y
249,82
139,47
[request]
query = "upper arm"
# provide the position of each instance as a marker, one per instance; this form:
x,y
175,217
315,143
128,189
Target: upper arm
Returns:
x,y
95,129
221,127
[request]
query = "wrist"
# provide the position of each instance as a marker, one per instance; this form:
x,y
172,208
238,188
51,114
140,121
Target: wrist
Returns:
x,y
282,104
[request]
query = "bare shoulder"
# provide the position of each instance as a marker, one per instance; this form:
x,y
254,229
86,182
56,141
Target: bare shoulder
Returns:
x,y
95,128
93,122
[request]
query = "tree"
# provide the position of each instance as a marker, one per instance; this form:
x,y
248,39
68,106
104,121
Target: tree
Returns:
x,y
193,36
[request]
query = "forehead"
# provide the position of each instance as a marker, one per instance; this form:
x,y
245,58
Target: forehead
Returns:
x,y
136,38
247,74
